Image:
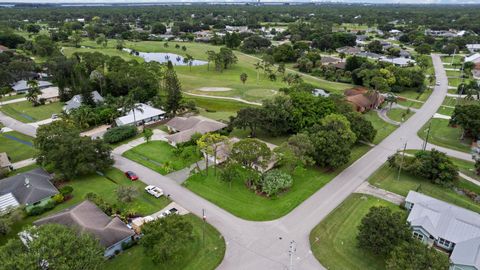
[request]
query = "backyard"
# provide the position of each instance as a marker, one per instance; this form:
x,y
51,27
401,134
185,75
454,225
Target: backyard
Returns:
x,y
442,134
25,112
17,145
244,203
162,157
196,256
334,242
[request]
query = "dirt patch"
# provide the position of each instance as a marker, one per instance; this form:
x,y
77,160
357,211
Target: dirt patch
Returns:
x,y
215,89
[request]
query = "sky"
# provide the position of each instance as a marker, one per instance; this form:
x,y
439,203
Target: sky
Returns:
x,y
159,1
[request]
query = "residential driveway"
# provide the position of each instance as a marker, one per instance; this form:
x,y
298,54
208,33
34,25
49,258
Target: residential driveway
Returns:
x,y
366,188
18,126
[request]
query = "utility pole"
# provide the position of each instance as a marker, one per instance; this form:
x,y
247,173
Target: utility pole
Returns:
x,y
401,163
204,217
428,134
291,253
463,84
453,57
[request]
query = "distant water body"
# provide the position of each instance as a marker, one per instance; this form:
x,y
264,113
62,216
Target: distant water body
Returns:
x,y
176,59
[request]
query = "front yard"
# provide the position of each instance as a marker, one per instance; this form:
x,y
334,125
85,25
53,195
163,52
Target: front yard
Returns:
x,y
442,134
162,157
383,128
196,256
334,241
244,203
399,115
25,112
17,145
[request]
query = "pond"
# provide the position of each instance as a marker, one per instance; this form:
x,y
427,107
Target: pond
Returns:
x,y
177,60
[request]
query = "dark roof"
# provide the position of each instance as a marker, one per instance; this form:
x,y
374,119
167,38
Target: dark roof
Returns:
x,y
29,187
87,217
328,59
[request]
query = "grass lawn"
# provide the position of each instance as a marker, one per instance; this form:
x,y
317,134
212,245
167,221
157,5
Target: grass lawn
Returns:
x,y
399,115
448,59
383,128
11,97
334,242
455,82
412,94
442,134
410,103
197,256
386,178
240,201
261,135
155,154
17,145
25,112
453,73
217,109
144,204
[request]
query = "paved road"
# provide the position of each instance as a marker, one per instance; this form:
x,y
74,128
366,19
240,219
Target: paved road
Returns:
x,y
264,245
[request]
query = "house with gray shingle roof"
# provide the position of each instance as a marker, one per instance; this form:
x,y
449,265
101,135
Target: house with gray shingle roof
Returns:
x,y
446,226
29,188
77,100
86,217
184,128
22,86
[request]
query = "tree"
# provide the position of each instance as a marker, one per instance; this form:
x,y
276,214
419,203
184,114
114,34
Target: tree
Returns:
x,y
127,193
375,46
76,38
275,181
423,48
209,143
450,49
60,145
33,92
391,99
362,128
210,57
466,116
230,172
59,246
251,153
295,152
304,64
332,140
33,28
102,40
164,238
128,104
173,89
243,77
232,40
158,28
249,117
416,255
435,166
147,134
188,59
120,44
381,230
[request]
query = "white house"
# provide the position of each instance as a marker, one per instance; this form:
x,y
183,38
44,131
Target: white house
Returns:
x,y
475,58
398,61
473,47
144,115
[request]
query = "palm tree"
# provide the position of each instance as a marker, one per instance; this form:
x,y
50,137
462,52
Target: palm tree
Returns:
x,y
33,92
243,77
128,104
98,77
258,66
390,99
188,59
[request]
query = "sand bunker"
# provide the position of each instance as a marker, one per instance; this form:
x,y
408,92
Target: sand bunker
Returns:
x,y
215,89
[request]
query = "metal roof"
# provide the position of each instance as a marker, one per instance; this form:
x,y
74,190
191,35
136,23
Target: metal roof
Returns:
x,y
7,201
146,112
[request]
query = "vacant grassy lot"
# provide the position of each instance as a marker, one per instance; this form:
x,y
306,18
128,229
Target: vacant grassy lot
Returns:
x,y
217,109
383,128
386,178
196,256
105,187
442,134
242,202
158,155
399,115
25,112
17,145
334,241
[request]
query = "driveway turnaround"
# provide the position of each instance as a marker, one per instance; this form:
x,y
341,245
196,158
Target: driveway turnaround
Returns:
x,y
265,245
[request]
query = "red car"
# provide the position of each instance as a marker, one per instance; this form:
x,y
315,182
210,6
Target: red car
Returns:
x,y
131,175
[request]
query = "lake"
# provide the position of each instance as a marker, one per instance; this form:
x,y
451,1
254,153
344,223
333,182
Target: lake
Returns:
x,y
177,60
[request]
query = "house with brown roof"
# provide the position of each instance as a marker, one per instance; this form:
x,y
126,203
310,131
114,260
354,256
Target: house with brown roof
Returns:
x,y
183,128
362,99
326,60
86,217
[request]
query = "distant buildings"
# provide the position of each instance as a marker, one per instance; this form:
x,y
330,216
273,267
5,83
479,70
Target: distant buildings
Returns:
x,y
445,33
473,47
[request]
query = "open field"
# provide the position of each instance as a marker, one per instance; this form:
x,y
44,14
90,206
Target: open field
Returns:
x,y
244,203
25,112
17,146
399,115
334,241
386,178
196,256
442,134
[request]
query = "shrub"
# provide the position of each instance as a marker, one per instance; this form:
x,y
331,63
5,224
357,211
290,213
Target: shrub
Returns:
x,y
66,190
58,198
129,244
40,209
275,181
126,193
98,201
118,134
5,226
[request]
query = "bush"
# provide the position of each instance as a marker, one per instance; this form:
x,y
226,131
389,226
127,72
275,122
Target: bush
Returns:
x,y
275,181
58,198
39,209
129,244
98,201
66,190
5,226
118,134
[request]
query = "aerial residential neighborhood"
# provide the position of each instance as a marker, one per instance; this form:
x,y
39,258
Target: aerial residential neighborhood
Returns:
x,y
239,135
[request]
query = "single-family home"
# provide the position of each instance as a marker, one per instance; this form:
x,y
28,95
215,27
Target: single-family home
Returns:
x,y
326,60
395,32
473,47
22,86
370,55
405,54
475,58
86,217
349,50
50,94
363,100
447,227
5,164
240,29
184,127
145,114
318,92
30,188
76,101
398,61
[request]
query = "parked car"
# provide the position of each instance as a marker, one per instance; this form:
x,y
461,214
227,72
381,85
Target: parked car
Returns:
x,y
154,191
437,84
171,211
131,175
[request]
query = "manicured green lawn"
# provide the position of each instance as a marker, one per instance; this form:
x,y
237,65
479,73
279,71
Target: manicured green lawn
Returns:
x,y
17,145
412,94
442,134
399,115
410,103
448,59
240,201
155,154
144,204
196,256
217,109
334,242
11,97
25,112
453,73
261,135
383,128
386,178
455,82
